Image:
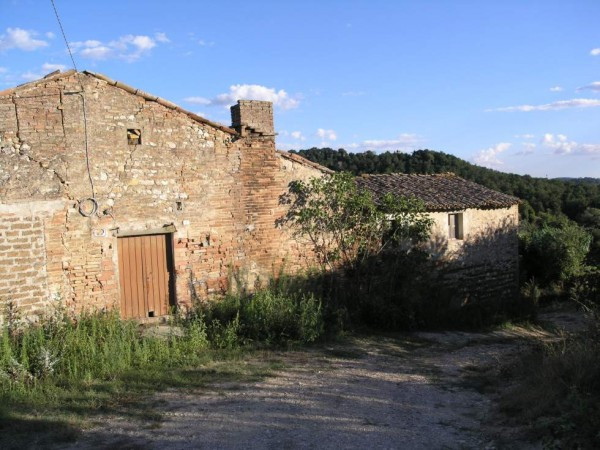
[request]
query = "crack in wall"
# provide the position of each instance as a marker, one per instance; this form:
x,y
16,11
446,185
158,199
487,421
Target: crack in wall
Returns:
x,y
41,164
62,115
17,132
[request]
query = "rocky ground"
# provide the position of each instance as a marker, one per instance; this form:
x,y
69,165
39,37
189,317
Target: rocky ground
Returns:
x,y
416,391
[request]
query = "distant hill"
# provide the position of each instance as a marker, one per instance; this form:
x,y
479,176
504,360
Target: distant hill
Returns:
x,y
580,180
541,195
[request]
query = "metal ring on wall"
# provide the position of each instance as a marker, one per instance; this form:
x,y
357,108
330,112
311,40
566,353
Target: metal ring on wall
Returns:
x,y
88,207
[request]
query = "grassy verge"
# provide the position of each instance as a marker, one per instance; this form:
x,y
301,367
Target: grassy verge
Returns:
x,y
59,375
557,392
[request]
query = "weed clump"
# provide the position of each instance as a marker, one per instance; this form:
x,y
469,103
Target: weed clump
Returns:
x,y
267,317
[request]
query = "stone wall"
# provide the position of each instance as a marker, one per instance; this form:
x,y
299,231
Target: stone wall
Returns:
x,y
218,191
484,264
253,117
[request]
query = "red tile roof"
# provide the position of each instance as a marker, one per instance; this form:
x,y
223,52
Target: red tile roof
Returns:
x,y
440,192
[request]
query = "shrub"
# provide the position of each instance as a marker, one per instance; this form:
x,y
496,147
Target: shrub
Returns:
x,y
346,226
269,316
553,254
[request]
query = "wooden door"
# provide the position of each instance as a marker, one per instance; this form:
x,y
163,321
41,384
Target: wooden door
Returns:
x,y
145,269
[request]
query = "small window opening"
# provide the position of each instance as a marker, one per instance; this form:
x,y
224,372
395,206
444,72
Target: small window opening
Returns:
x,y
150,313
134,136
179,206
455,226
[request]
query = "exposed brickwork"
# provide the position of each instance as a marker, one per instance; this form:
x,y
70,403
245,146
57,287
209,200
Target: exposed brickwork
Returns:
x,y
219,190
253,117
23,272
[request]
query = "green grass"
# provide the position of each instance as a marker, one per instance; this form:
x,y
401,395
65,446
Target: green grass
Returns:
x,y
60,411
557,392
57,376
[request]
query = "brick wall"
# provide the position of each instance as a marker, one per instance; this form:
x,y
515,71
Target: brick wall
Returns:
x,y
253,117
219,191
24,271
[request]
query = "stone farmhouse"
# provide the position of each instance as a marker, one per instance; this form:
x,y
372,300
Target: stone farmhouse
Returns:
x,y
113,197
474,233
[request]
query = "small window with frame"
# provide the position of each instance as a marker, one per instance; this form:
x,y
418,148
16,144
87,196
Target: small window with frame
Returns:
x,y
455,226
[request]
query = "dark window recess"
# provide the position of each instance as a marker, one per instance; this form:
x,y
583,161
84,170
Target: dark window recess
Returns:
x,y
179,206
455,226
134,137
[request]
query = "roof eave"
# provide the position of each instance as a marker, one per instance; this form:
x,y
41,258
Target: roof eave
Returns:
x,y
160,101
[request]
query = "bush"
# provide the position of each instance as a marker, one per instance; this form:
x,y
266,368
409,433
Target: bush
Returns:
x,y
269,316
554,254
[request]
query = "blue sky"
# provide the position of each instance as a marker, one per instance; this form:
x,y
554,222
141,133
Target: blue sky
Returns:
x,y
512,85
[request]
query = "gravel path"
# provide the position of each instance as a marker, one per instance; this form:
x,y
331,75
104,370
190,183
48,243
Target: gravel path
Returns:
x,y
413,392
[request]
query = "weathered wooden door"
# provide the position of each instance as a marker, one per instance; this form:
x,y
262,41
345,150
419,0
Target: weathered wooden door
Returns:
x,y
145,269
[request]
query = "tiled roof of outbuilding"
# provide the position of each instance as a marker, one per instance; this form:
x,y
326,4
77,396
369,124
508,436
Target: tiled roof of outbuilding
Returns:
x,y
439,192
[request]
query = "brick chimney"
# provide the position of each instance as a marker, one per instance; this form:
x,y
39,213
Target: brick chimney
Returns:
x,y
253,118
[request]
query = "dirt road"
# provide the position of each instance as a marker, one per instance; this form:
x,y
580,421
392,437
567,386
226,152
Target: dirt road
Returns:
x,y
421,391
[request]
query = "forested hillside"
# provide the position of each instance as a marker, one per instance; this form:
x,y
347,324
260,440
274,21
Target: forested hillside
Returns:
x,y
571,197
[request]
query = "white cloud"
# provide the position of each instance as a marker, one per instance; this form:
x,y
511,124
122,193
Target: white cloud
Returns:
x,y
297,135
401,143
595,51
20,39
562,104
404,142
49,67
45,69
563,146
50,35
30,75
3,70
129,48
524,136
594,86
489,156
556,89
197,100
326,135
237,92
528,149
203,43
162,37
92,49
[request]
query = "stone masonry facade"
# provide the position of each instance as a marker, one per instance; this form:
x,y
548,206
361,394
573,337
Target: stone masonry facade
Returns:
x,y
215,189
474,235
483,265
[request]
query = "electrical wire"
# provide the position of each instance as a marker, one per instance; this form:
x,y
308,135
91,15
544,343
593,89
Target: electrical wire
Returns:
x,y
62,30
85,128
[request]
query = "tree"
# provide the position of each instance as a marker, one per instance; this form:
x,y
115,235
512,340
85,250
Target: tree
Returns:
x,y
555,252
346,225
